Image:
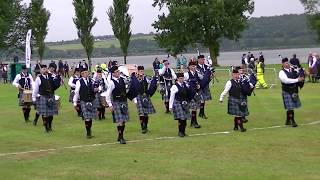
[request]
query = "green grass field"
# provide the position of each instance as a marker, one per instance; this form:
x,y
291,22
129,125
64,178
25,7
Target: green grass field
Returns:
x,y
273,153
98,44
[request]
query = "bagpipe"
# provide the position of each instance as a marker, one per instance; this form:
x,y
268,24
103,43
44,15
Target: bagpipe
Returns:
x,y
298,72
248,83
135,84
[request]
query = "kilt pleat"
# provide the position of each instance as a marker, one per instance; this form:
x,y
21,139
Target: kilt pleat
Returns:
x,y
235,108
206,94
288,102
117,114
43,108
178,112
88,113
143,110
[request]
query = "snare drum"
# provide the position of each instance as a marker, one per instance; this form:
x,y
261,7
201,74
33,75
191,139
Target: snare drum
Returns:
x,y
27,96
57,98
103,101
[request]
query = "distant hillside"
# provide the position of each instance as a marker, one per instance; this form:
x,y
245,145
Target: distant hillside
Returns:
x,y
286,31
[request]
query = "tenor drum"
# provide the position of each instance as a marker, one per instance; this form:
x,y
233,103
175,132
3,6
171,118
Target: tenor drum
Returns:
x,y
27,96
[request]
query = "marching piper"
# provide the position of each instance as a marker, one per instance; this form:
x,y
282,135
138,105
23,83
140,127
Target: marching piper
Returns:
x,y
291,80
85,91
116,97
144,89
237,103
24,82
45,85
72,83
180,97
167,76
206,94
100,82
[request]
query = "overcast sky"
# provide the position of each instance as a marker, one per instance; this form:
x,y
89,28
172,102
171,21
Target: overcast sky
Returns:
x,y
61,26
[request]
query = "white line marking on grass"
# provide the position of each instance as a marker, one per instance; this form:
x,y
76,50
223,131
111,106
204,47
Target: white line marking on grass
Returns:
x,y
143,140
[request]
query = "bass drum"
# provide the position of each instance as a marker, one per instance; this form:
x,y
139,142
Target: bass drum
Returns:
x,y
125,73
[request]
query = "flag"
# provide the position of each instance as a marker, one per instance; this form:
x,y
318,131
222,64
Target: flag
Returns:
x,y
28,49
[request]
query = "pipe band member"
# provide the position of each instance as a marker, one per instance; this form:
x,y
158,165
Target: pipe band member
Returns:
x,y
237,103
116,98
167,76
180,97
290,90
23,82
85,91
45,86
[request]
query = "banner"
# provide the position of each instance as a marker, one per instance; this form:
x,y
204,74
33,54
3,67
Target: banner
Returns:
x,y
28,49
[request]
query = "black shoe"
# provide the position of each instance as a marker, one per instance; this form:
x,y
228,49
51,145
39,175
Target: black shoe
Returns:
x,y
184,134
203,116
245,120
192,125
294,124
236,128
243,130
288,123
168,112
181,134
144,131
197,126
122,141
90,136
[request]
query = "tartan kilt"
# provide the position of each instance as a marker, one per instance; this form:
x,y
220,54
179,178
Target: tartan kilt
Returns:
x,y
20,100
144,110
87,114
99,100
288,102
117,115
165,96
196,101
178,112
234,106
206,94
43,108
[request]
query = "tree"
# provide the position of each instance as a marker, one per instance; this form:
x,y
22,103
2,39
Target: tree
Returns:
x,y
120,21
7,18
205,22
312,9
84,22
39,23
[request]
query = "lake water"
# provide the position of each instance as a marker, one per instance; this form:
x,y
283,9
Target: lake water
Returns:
x,y
225,58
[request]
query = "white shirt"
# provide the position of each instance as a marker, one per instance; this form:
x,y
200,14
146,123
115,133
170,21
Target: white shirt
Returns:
x,y
226,90
111,87
313,62
77,90
18,78
37,84
164,69
284,78
186,75
174,89
70,82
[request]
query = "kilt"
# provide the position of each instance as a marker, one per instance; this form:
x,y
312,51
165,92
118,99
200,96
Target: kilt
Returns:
x,y
206,94
235,108
196,101
88,114
20,99
43,109
288,102
117,115
149,109
99,100
166,89
178,112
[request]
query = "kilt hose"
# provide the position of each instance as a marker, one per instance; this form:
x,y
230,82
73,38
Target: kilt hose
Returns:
x,y
144,109
179,113
235,108
44,108
288,102
120,111
89,113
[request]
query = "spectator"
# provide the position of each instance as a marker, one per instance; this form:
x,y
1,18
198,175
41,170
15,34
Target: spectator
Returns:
x,y
61,68
312,63
295,61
